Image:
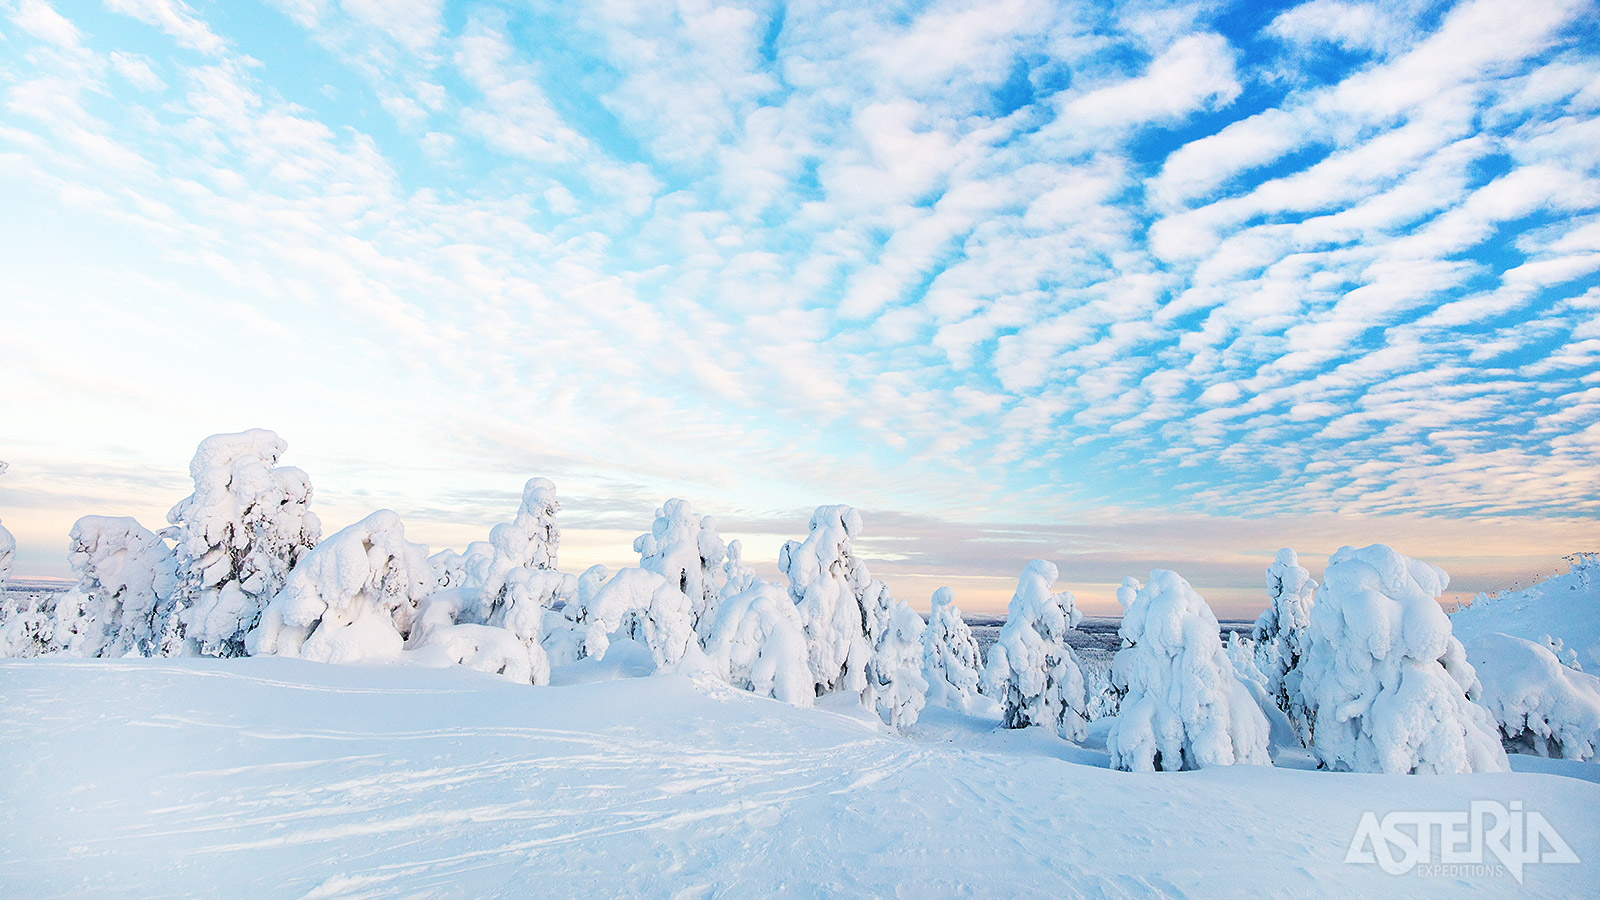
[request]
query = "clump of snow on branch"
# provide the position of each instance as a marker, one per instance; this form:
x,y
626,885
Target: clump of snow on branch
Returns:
x,y
350,599
1280,635
247,524
1389,687
633,603
1183,707
114,609
1031,671
1542,706
952,664
829,586
757,641
686,550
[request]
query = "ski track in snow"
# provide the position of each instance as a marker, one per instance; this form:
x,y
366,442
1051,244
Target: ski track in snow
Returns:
x,y
279,778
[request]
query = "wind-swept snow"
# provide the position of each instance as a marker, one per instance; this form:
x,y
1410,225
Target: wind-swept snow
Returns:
x,y
272,778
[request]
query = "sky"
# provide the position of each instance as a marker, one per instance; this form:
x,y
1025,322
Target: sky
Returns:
x,y
1123,286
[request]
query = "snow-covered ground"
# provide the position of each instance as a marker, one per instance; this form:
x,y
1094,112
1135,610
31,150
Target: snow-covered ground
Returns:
x,y
263,777
1565,607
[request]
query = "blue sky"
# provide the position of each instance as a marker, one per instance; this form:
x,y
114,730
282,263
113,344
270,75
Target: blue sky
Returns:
x,y
1119,285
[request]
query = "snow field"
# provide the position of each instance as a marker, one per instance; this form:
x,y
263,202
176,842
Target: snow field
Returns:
x,y
269,777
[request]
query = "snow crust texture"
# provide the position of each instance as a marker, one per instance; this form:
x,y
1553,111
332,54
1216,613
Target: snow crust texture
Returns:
x,y
1183,708
1390,686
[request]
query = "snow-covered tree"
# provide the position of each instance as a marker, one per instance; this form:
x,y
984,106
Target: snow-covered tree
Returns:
x,y
686,550
633,603
28,624
8,544
1280,636
1031,670
896,688
114,609
352,598
952,664
1389,686
1542,706
757,641
247,524
831,589
531,541
1183,708
449,569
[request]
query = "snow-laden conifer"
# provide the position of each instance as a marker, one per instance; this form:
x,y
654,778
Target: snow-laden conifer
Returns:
x,y
352,598
1032,671
686,550
247,524
1541,705
114,609
633,603
1280,636
1183,707
831,587
1389,686
896,688
952,664
757,641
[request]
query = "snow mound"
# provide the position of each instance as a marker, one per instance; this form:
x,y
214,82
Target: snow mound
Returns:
x,y
1542,706
1565,608
1389,686
1184,708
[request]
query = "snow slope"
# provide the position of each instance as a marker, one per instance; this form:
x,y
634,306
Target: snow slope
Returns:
x,y
1566,607
254,778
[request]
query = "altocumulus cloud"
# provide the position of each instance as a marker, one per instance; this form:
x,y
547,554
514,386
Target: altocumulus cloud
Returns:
x,y
1122,284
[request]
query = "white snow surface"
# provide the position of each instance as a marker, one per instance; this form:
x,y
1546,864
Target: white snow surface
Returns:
x,y
1184,708
273,778
1542,706
1389,686
1565,607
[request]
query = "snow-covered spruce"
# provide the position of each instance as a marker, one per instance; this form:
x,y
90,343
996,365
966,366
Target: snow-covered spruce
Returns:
x,y
115,609
8,544
686,550
529,542
895,689
350,599
757,641
1031,670
1389,687
1183,707
1280,635
830,588
633,603
1542,706
952,664
247,524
